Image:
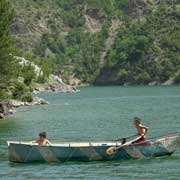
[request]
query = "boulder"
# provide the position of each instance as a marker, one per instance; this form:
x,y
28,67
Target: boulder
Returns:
x,y
16,103
73,81
154,83
6,108
38,101
1,115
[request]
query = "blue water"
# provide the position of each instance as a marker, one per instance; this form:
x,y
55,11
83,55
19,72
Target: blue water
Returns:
x,y
95,113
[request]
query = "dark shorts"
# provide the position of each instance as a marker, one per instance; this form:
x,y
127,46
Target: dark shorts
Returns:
x,y
141,140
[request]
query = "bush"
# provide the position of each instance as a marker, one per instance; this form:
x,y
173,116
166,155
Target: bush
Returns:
x,y
177,78
18,91
122,76
3,94
27,97
28,73
41,79
143,78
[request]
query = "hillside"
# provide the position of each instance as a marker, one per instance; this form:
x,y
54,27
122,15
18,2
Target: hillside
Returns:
x,y
101,41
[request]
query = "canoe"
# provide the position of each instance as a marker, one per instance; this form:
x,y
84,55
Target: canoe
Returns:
x,y
25,152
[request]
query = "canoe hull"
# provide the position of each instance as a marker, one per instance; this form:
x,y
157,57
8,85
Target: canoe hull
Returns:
x,y
26,152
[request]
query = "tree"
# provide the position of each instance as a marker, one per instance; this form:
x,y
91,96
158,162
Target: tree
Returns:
x,y
7,62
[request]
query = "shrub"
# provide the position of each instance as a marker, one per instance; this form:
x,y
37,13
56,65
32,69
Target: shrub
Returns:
x,y
177,78
18,91
28,73
27,97
143,78
122,76
3,94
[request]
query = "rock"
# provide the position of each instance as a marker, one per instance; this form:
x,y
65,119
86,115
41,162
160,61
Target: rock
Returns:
x,y
12,111
38,101
6,108
53,83
94,20
56,78
37,90
138,8
1,115
16,103
168,82
55,87
24,62
44,101
56,84
127,84
73,81
92,25
154,83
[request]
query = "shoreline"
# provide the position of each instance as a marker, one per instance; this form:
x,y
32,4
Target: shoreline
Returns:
x,y
8,107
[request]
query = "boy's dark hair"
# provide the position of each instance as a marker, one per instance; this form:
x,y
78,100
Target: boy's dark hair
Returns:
x,y
42,134
137,119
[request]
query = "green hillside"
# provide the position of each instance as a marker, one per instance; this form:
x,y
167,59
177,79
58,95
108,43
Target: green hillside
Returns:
x,y
101,41
145,50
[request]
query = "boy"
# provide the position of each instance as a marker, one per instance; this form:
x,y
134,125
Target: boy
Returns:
x,y
42,139
141,130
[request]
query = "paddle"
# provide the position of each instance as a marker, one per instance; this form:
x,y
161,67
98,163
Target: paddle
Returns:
x,y
112,150
125,138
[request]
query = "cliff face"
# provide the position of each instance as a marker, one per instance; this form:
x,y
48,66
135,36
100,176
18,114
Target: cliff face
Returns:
x,y
33,18
31,22
139,8
82,39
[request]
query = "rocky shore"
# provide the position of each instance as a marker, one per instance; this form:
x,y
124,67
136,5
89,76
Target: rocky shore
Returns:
x,y
9,107
48,88
53,84
6,109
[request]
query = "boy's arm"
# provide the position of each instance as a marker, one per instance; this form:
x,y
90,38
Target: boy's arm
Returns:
x,y
145,129
48,142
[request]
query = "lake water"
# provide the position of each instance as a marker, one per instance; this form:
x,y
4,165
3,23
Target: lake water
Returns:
x,y
95,113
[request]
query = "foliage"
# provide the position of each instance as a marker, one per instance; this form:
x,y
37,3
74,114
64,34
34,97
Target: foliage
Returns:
x,y
3,94
177,78
27,97
146,50
21,92
18,90
7,62
79,49
27,72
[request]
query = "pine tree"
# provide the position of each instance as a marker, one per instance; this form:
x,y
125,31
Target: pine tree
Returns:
x,y
7,62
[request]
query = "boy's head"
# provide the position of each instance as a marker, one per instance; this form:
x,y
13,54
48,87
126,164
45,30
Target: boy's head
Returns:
x,y
137,121
42,135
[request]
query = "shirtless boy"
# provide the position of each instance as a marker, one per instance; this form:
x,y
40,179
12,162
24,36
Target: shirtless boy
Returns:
x,y
141,130
42,139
